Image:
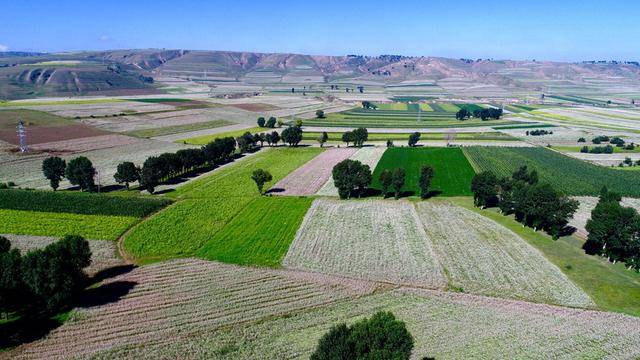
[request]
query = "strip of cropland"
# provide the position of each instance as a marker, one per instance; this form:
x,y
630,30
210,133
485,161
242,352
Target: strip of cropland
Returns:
x,y
453,173
205,139
207,205
372,136
94,216
567,174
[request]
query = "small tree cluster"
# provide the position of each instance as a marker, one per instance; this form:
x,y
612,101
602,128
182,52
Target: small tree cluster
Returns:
x,y
368,105
537,205
44,280
322,138
539,132
357,136
320,114
79,171
380,337
271,123
351,178
614,231
292,135
414,138
485,114
607,149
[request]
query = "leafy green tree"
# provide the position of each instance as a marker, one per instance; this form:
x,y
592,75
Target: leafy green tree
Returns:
x,y
348,137
127,173
170,165
485,189
80,172
191,158
261,121
351,178
414,138
426,175
260,177
359,136
380,337
320,114
54,168
271,123
151,174
273,138
462,114
323,138
397,181
386,178
246,142
292,135
11,285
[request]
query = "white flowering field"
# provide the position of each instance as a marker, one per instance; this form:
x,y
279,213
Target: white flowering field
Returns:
x,y
171,301
482,257
444,326
366,155
373,239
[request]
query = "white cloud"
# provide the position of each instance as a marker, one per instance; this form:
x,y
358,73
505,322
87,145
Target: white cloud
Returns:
x,y
104,38
3,47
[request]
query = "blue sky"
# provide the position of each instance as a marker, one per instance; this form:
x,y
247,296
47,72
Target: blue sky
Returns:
x,y
545,30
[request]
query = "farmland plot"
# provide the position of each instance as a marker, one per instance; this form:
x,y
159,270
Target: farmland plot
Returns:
x,y
483,257
373,240
366,155
444,326
103,253
308,179
587,204
178,299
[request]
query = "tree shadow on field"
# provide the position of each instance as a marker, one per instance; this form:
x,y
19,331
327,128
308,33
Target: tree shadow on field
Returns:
x,y
567,231
433,193
105,294
274,191
111,272
25,329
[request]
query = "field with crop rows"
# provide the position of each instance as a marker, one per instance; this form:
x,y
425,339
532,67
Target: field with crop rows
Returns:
x,y
401,115
183,298
482,257
206,205
366,155
373,240
260,234
309,178
572,176
205,139
382,136
175,129
453,173
102,227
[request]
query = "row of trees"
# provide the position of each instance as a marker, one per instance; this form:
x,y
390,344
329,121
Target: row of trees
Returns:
x,y
537,205
44,281
614,231
271,123
357,136
79,171
483,114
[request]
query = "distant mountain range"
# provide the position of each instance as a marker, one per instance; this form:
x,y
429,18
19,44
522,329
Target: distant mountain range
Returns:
x,y
24,75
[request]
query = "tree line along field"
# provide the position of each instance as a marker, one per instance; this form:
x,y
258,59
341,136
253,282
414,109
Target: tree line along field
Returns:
x,y
479,136
205,206
94,216
453,173
569,175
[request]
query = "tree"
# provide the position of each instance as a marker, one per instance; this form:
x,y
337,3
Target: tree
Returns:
x,y
80,171
246,142
191,158
261,138
11,286
386,178
322,138
347,137
351,177
397,181
170,165
54,168
275,138
271,123
127,173
261,121
380,337
485,189
462,114
292,135
320,114
359,136
260,177
414,138
151,174
426,174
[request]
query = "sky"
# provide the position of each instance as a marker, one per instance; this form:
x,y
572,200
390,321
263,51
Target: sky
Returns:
x,y
562,30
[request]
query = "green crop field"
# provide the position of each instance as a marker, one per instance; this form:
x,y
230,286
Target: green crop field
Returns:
x,y
260,234
453,173
207,205
97,227
569,175
80,203
205,139
175,129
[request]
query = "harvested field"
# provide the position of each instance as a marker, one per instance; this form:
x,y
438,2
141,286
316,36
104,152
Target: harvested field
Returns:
x,y
86,144
374,240
175,129
587,204
97,109
256,107
482,257
183,298
366,155
201,133
104,254
309,178
47,134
